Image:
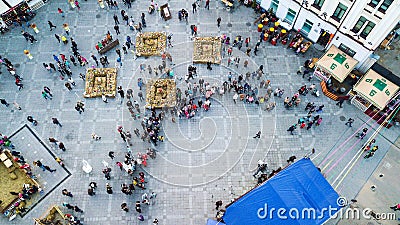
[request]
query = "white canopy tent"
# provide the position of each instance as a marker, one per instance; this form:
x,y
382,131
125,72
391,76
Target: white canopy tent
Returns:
x,y
334,63
376,89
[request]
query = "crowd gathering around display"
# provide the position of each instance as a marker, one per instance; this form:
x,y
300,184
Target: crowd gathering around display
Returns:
x,y
194,94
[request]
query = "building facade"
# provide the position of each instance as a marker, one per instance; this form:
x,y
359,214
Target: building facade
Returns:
x,y
357,27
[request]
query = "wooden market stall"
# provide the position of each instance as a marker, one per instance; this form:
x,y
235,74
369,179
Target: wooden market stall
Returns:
x,y
373,89
334,63
333,68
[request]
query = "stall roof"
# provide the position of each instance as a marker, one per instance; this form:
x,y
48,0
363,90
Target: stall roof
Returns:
x,y
376,89
386,73
213,222
3,7
337,63
299,188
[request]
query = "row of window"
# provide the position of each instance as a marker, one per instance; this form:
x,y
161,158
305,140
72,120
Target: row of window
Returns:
x,y
383,5
362,28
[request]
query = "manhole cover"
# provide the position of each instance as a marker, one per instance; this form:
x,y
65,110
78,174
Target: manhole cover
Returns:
x,y
248,24
342,118
229,25
17,65
98,16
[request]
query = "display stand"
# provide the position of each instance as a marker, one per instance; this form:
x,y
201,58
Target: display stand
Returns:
x,y
165,12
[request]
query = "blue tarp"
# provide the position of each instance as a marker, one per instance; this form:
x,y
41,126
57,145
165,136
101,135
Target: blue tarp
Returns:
x,y
213,222
298,195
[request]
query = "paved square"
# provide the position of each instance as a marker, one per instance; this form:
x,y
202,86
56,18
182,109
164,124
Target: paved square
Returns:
x,y
204,159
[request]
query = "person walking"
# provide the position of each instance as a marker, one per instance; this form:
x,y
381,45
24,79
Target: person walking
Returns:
x,y
207,4
124,207
67,193
77,209
61,12
194,6
292,128
218,204
51,25
4,102
340,103
56,121
258,135
219,22
111,155
362,134
17,106
58,38
68,206
62,146
349,122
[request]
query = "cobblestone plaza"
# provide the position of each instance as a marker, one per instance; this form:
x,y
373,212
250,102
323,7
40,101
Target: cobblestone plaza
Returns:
x,y
209,157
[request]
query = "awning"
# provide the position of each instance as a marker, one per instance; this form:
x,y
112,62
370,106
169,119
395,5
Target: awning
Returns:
x,y
213,222
3,7
337,63
376,89
298,195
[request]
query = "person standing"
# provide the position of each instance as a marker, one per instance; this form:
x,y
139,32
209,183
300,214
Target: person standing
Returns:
x,y
109,189
349,122
67,193
143,20
62,146
116,28
219,21
51,25
95,59
235,97
55,121
218,204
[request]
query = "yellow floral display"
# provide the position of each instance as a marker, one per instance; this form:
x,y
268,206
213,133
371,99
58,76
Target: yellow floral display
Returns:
x,y
100,81
150,43
160,93
207,49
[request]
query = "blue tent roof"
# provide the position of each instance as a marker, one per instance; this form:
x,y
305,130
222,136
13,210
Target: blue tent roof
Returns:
x,y
299,192
213,222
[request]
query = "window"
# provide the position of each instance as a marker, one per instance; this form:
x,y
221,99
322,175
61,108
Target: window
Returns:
x,y
360,23
347,50
367,29
374,3
290,16
339,12
307,27
274,5
318,4
385,5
